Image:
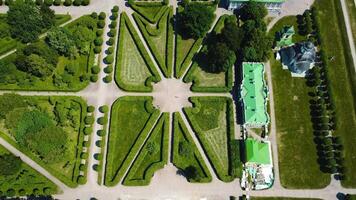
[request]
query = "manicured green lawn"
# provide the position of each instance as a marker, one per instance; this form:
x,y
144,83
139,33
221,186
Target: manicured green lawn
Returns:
x,y
186,154
287,21
153,155
159,38
60,80
25,181
67,113
150,11
134,68
7,43
213,122
131,121
341,75
351,8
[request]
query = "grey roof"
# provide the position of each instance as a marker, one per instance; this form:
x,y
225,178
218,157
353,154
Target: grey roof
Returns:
x,y
298,57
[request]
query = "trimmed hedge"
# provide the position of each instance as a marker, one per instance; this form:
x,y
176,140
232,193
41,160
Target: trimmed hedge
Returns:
x,y
154,20
180,70
125,22
104,109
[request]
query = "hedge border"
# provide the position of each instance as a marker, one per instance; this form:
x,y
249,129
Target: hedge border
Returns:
x,y
155,77
136,7
153,167
120,172
230,131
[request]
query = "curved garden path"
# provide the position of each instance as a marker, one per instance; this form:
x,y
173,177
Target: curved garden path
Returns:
x,y
166,184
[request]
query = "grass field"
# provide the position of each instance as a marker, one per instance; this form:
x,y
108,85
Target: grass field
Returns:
x,y
153,155
25,181
131,120
159,38
134,69
186,153
209,82
351,8
67,170
341,75
7,43
61,80
213,125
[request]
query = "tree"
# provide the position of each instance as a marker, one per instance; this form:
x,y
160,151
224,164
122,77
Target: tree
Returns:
x,y
35,65
10,164
253,10
9,102
196,20
27,20
68,2
232,35
220,58
62,40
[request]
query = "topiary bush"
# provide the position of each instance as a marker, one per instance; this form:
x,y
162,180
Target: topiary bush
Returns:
x,y
88,130
102,16
89,120
99,32
85,2
112,33
81,179
97,49
114,16
104,109
107,79
110,42
109,59
108,69
98,156
98,41
94,15
94,78
48,2
101,24
102,120
100,133
113,24
98,143
90,109
77,2
110,50
83,155
115,9
95,69
67,2
57,2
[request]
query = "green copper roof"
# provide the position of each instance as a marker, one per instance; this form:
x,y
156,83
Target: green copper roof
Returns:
x,y
257,152
261,1
285,36
254,94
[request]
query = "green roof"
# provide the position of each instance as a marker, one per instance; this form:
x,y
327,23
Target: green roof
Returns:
x,y
257,152
254,94
260,1
285,36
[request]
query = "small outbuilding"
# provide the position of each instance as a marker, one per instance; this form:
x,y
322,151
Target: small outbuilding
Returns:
x,y
298,59
284,38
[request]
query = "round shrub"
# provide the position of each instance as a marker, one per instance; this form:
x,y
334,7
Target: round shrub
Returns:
x,y
10,192
107,79
94,78
39,2
110,50
94,15
22,192
90,109
89,120
83,155
77,2
109,59
104,109
68,2
95,69
110,42
100,133
47,191
36,191
96,167
98,143
115,9
57,2
114,16
113,25
82,167
85,2
88,130
112,33
98,41
48,2
81,180
102,120
108,69
101,24
99,32
98,156
97,49
85,143
102,16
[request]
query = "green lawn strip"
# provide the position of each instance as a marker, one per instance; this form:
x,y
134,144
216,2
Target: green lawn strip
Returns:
x,y
67,170
212,121
287,21
151,11
26,181
209,82
281,198
135,70
152,156
131,121
296,147
186,154
82,64
351,8
8,43
342,80
159,38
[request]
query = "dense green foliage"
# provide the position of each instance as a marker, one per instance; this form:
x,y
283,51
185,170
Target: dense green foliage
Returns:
x,y
220,58
27,20
135,117
10,164
196,19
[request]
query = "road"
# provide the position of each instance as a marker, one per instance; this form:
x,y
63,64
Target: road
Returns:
x,y
170,95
